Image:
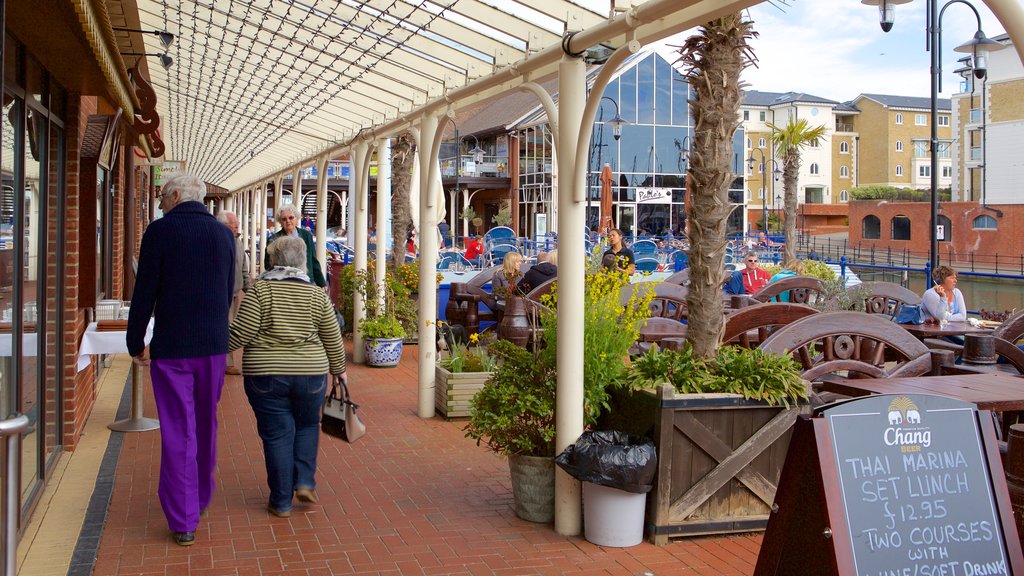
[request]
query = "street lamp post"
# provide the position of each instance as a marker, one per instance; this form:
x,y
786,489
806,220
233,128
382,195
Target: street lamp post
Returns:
x,y
767,191
978,47
777,202
616,123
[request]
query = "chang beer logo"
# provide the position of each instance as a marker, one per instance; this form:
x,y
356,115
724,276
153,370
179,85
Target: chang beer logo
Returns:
x,y
905,428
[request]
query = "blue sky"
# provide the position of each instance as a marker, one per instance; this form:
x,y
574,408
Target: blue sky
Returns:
x,y
835,48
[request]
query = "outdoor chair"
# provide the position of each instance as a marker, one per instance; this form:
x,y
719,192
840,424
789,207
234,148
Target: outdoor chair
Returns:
x,y
751,325
669,299
647,264
881,297
453,261
856,344
802,290
644,248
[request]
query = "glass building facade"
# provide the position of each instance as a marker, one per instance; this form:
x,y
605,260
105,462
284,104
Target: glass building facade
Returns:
x,y
648,162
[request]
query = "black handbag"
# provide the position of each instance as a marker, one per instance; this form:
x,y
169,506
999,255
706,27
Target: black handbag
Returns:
x,y
340,417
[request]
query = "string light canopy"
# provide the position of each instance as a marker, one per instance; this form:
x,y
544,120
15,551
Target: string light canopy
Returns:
x,y
256,83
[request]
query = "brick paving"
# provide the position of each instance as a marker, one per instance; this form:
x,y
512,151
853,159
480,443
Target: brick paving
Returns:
x,y
412,497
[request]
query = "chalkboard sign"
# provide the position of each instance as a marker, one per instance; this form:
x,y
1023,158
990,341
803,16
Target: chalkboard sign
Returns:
x,y
915,486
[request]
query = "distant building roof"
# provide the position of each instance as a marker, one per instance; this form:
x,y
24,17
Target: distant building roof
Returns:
x,y
756,98
847,107
914,102
502,112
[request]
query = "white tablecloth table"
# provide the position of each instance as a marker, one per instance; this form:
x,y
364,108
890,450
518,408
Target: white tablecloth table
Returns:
x,y
114,342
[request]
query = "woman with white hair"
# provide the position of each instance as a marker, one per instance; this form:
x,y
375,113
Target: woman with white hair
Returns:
x,y
291,339
288,216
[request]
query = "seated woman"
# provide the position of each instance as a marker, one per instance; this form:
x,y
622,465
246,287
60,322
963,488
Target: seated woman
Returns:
x,y
789,269
504,282
944,302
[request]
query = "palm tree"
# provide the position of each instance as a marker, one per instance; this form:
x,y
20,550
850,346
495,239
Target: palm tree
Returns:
x,y
788,141
713,60
402,156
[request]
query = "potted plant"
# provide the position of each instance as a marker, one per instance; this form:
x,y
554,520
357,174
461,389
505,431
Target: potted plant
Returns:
x,y
504,215
514,415
514,412
722,429
382,330
399,286
461,373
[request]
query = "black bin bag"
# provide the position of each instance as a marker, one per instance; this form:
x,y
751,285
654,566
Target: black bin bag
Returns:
x,y
613,459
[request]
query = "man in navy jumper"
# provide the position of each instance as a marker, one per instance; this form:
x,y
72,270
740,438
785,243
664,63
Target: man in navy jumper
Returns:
x,y
185,283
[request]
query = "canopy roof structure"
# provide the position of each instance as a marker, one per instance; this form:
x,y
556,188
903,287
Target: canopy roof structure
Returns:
x,y
257,86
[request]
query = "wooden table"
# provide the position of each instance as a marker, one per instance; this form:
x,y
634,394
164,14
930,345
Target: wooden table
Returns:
x,y
934,330
993,391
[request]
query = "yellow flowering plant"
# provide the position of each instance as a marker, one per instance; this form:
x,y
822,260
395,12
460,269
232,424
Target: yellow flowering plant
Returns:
x,y
471,356
609,330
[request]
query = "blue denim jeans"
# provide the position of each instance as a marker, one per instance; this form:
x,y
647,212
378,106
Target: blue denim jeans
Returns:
x,y
287,412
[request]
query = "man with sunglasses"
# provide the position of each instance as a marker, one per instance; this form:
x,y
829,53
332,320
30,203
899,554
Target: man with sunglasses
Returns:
x,y
748,280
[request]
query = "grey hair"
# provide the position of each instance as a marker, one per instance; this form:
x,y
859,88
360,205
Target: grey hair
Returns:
x,y
288,251
222,216
553,257
288,208
188,186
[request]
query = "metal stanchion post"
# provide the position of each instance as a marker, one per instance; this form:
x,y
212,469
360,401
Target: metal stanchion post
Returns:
x,y
136,422
10,503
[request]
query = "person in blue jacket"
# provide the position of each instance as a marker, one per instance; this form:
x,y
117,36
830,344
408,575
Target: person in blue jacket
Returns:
x,y
185,283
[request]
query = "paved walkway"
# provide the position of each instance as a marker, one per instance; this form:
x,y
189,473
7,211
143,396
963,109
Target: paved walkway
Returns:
x,y
412,497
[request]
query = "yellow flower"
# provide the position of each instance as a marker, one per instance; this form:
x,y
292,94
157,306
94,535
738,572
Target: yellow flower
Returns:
x,y
474,337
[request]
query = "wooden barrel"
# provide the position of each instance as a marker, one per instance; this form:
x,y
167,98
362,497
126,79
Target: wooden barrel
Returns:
x,y
1014,464
455,310
515,324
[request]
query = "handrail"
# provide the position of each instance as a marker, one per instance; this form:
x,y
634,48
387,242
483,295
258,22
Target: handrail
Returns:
x,y
10,503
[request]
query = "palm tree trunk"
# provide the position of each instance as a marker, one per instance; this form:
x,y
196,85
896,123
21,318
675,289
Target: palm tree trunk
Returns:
x,y
713,59
401,212
790,174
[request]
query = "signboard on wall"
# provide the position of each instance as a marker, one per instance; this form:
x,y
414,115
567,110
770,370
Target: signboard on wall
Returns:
x,y
166,169
653,195
940,232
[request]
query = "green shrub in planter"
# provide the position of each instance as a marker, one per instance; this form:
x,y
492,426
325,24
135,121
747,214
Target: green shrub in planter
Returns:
x,y
383,327
752,373
514,413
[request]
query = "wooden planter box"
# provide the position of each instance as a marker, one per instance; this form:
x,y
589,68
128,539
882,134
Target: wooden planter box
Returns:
x,y
453,393
719,461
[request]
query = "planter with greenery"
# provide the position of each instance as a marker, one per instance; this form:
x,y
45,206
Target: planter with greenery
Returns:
x,y
382,329
514,413
722,429
460,374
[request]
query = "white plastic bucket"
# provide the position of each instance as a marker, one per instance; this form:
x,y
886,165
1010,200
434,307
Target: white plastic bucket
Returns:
x,y
613,517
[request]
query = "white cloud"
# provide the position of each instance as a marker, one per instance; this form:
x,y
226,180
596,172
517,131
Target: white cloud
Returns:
x,y
836,49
